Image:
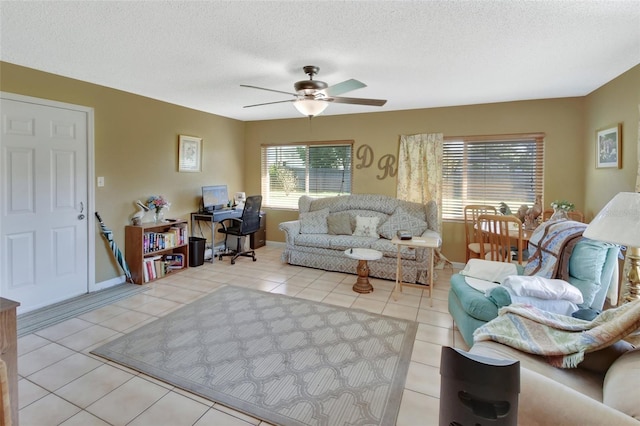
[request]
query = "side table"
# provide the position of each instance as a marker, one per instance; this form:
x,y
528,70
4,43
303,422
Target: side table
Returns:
x,y
363,255
432,243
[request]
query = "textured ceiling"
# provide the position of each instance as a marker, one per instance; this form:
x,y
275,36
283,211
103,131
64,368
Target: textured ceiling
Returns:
x,y
416,54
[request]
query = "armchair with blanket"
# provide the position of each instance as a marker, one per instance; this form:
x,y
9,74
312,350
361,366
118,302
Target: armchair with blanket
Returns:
x,y
558,252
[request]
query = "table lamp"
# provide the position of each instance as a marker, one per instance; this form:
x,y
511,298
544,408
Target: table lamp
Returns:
x,y
619,223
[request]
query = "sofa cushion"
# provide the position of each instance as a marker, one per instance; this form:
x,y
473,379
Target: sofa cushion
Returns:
x,y
400,219
587,260
620,390
585,267
339,224
314,222
343,242
389,249
313,240
601,360
366,226
473,301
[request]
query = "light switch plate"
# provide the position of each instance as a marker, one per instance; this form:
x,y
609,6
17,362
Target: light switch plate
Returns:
x,y
100,181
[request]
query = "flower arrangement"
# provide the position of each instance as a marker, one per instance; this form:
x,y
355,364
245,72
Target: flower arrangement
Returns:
x,y
157,203
565,205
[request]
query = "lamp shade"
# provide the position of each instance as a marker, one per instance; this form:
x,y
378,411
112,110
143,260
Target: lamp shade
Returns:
x,y
618,222
310,107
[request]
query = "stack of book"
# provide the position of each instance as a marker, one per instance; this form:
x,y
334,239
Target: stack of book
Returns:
x,y
158,266
175,236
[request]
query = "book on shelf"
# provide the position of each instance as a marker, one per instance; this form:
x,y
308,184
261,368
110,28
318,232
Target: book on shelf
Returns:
x,y
174,236
149,269
174,261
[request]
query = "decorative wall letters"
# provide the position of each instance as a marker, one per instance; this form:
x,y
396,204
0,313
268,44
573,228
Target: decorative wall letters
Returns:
x,y
386,163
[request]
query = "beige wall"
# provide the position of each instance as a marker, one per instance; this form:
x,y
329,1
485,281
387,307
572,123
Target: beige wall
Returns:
x,y
136,146
560,119
615,102
136,149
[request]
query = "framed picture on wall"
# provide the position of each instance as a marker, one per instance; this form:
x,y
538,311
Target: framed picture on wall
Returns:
x,y
609,147
189,154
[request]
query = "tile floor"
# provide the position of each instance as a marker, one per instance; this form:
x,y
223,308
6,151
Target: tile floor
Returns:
x,y
61,383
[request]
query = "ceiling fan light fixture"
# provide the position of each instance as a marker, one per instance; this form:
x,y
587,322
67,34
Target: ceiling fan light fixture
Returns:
x,y
310,107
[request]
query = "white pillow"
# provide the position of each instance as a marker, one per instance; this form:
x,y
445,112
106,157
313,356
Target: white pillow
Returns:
x,y
562,307
542,288
366,226
489,270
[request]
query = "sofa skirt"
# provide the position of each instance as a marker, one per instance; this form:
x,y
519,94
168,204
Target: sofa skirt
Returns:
x,y
333,260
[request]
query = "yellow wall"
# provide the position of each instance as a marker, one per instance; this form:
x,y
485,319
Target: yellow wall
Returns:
x,y
615,102
136,150
136,142
560,119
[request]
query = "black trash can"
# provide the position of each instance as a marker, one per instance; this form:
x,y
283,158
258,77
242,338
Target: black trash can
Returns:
x,y
197,246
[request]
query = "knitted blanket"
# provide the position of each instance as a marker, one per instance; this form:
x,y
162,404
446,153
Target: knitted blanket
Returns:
x,y
551,244
561,339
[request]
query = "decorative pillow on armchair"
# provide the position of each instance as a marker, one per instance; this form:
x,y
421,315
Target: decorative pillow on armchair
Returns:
x,y
314,222
400,219
366,226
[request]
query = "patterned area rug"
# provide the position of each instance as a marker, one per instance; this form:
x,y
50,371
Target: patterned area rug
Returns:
x,y
30,322
284,360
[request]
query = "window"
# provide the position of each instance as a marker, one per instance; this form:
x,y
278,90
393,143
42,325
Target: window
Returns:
x,y
318,170
491,170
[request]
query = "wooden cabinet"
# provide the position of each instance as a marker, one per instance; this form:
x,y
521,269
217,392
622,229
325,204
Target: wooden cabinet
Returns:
x,y
9,354
150,242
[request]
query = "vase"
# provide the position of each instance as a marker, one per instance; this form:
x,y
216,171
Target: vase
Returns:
x,y
158,216
559,214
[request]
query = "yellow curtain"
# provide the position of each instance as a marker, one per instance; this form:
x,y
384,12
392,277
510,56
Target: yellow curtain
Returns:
x,y
420,174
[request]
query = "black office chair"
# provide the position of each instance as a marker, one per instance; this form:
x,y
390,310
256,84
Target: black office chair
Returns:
x,y
248,224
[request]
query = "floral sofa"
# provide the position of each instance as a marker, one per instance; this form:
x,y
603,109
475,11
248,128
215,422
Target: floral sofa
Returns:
x,y
328,226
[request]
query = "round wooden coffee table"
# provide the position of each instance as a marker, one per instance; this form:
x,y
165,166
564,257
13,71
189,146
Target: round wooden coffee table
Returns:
x,y
363,255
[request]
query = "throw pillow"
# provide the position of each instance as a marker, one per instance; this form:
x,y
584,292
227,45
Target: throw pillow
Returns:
x,y
587,260
400,219
542,288
314,222
339,224
366,226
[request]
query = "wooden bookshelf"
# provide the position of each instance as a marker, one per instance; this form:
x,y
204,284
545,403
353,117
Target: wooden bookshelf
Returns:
x,y
152,240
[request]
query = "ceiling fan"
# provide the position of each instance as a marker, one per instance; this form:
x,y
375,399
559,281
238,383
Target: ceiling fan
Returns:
x,y
313,96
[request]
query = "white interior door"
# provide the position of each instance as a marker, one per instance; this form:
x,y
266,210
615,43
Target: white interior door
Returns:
x,y
44,215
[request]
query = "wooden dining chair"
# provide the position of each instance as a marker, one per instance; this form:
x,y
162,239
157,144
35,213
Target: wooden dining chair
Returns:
x,y
503,236
471,214
576,215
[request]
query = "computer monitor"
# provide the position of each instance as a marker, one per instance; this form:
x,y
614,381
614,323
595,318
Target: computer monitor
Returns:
x,y
214,197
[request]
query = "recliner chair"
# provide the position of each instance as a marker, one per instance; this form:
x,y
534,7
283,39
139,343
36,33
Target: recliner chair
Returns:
x,y
247,224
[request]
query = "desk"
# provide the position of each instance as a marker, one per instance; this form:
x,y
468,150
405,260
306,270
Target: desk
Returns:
x,y
213,218
432,243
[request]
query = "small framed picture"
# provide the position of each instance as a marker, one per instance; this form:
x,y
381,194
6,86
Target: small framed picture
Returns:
x,y
609,147
189,154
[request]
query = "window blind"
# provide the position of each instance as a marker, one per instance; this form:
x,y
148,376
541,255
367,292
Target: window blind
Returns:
x,y
491,170
318,170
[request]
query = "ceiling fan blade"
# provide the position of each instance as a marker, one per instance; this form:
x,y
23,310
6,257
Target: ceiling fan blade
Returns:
x,y
357,101
268,103
344,87
268,90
